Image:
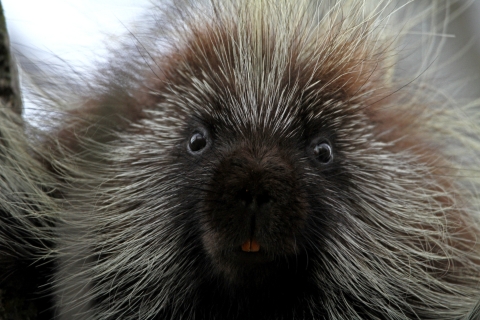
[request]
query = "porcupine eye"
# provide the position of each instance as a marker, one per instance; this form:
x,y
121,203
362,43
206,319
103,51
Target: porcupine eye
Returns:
x,y
197,142
323,152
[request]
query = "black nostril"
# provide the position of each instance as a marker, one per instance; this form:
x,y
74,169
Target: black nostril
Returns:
x,y
253,200
263,199
245,196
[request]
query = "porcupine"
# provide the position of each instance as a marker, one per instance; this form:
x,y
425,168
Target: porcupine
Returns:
x,y
264,160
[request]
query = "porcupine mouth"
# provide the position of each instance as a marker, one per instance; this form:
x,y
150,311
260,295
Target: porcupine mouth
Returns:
x,y
250,252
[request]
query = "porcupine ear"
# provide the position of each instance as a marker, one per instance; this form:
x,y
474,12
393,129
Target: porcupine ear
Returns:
x,y
24,203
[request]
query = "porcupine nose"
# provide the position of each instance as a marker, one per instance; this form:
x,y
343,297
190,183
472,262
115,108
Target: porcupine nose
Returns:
x,y
255,176
253,206
254,200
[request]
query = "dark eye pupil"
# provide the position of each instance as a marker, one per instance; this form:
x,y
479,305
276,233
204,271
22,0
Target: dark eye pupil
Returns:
x,y
323,152
197,142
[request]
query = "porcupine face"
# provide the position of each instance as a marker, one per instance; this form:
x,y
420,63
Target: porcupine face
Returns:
x,y
261,157
254,207
263,175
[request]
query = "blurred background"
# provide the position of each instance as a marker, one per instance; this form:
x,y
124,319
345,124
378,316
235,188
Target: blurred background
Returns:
x,y
77,32
74,30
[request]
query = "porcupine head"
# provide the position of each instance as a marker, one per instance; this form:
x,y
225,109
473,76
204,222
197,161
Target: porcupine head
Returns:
x,y
261,165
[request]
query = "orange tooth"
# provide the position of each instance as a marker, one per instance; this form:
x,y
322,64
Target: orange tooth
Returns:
x,y
246,246
254,246
250,246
